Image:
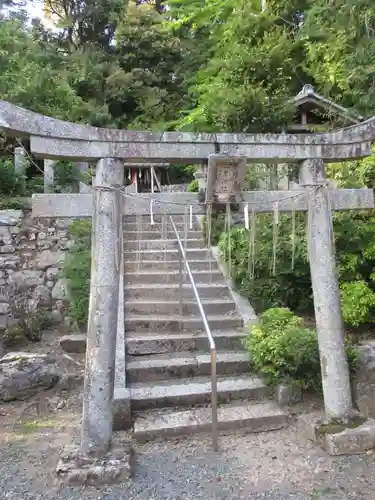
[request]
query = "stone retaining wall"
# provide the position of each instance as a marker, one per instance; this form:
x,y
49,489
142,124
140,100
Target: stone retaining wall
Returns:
x,y
31,255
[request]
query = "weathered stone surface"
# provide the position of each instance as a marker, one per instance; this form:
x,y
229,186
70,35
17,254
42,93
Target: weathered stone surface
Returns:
x,y
43,294
47,258
10,217
74,342
27,278
59,290
23,375
81,205
114,467
364,382
52,273
4,308
287,394
351,441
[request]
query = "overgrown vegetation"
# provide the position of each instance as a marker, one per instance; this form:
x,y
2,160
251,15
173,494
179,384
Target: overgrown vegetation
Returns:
x,y
283,349
76,271
277,273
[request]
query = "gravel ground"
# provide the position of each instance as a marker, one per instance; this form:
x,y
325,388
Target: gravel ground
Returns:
x,y
277,465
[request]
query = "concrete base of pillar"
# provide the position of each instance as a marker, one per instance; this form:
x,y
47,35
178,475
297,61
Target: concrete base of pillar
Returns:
x,y
355,437
114,468
122,417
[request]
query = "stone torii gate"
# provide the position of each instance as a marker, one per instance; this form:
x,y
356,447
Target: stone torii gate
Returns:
x,y
227,154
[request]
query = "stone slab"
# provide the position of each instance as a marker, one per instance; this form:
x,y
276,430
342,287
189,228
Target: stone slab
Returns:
x,y
351,441
184,364
74,343
288,394
168,323
173,306
196,391
169,291
168,276
113,468
253,417
162,256
156,343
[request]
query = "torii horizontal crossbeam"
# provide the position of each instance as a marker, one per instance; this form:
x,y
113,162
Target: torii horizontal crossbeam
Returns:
x,y
52,138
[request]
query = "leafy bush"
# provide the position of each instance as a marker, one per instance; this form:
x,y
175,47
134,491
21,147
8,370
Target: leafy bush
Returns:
x,y
283,349
76,271
357,300
217,227
193,187
291,285
11,183
67,174
30,327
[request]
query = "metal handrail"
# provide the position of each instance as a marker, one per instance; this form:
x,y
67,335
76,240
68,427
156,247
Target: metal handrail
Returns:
x,y
208,332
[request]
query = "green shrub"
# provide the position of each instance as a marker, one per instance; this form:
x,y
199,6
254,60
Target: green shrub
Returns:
x,y
283,349
357,300
217,228
76,271
30,327
67,175
291,285
193,187
11,183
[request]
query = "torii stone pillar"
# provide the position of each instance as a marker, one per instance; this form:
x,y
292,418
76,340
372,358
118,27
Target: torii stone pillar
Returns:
x,y
20,160
330,329
49,175
103,309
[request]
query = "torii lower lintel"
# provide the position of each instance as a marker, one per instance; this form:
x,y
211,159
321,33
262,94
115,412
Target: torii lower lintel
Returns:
x,y
81,205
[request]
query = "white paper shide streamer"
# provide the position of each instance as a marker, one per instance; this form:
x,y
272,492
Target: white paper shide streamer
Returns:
x,y
191,217
152,213
246,215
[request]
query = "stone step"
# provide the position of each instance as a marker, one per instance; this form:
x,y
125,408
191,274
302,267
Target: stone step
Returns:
x,y
195,265
173,277
196,391
251,417
215,306
160,244
168,291
146,225
157,234
161,255
158,218
157,343
169,323
185,364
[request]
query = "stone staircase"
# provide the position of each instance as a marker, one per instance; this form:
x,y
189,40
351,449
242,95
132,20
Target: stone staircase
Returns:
x,y
167,355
